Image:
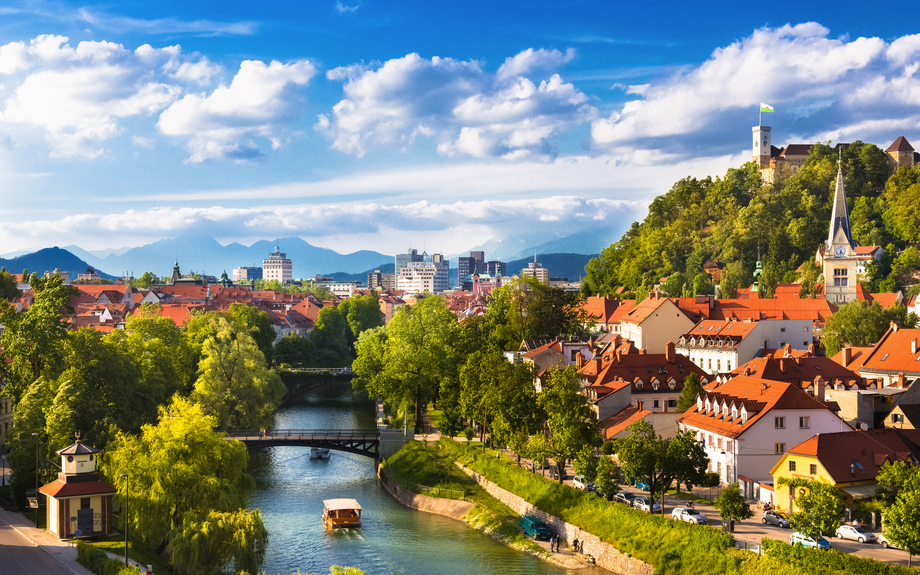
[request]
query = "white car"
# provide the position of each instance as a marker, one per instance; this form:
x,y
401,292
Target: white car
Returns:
x,y
689,515
643,504
579,482
855,533
884,542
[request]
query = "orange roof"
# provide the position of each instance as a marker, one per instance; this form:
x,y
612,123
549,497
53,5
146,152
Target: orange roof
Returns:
x,y
757,396
885,300
857,356
621,421
603,308
897,351
623,367
797,370
644,309
96,289
60,489
859,455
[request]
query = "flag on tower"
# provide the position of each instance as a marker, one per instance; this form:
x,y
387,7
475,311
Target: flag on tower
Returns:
x,y
765,108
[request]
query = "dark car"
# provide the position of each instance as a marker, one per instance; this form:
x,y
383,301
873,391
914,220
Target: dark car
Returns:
x,y
534,527
776,518
625,497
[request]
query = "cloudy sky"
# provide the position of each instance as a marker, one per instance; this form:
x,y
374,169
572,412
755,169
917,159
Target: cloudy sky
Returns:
x,y
363,124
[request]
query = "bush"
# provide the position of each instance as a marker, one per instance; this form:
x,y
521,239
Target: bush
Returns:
x,y
98,562
468,434
828,562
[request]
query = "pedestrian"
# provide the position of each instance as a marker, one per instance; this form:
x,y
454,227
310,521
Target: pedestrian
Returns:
x,y
498,455
575,546
582,546
552,541
531,467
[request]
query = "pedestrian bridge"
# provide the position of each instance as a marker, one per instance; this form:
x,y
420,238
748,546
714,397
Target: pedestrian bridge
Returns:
x,y
365,442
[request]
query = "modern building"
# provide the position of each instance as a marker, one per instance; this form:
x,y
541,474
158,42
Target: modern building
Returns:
x,y
496,268
79,502
247,274
380,280
536,270
442,264
422,277
276,267
402,260
472,265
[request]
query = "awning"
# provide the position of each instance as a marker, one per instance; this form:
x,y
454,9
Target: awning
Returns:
x,y
861,491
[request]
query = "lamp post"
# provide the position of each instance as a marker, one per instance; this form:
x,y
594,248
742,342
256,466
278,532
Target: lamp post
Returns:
x,y
125,475
35,435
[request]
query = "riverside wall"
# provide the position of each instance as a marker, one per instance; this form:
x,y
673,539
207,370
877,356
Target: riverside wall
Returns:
x,y
448,507
604,554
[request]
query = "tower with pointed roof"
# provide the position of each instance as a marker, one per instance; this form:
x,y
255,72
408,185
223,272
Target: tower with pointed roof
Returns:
x,y
840,260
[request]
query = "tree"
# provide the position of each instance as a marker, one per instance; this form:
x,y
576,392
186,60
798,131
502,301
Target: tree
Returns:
x,y
329,337
293,350
9,289
182,474
692,389
818,506
406,364
480,381
646,456
569,419
29,415
235,386
608,477
902,518
259,325
586,463
146,280
731,504
362,312
32,340
859,323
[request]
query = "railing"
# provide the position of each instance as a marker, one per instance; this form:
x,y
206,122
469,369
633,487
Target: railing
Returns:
x,y
327,434
329,370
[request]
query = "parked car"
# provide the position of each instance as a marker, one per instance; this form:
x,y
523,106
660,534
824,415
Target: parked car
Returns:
x,y
884,542
641,484
579,482
855,533
626,497
642,503
800,539
534,527
776,518
689,515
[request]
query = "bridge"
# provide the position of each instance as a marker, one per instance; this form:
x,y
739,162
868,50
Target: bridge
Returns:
x,y
361,441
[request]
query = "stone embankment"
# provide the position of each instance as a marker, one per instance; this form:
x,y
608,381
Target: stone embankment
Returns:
x,y
604,554
449,507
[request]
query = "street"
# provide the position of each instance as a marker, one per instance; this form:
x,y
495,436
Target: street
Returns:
x,y
18,556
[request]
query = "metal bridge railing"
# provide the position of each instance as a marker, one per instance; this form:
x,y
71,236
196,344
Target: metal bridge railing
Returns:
x,y
327,434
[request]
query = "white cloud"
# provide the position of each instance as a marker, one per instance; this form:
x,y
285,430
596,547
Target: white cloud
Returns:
x,y
121,24
256,104
465,109
199,72
77,95
826,83
343,9
142,142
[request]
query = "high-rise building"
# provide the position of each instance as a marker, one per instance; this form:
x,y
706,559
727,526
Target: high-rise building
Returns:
x,y
496,268
536,270
429,275
442,278
277,267
468,266
246,274
378,279
403,259
479,257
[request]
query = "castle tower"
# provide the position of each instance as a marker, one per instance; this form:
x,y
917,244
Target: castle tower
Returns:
x,y
762,146
840,261
900,153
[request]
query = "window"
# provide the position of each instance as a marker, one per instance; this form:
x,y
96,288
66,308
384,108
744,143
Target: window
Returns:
x,y
719,442
813,469
728,444
728,366
840,277
710,363
884,357
655,404
710,440
803,422
782,330
779,448
718,365
719,468
574,351
895,417
791,465
779,422
672,403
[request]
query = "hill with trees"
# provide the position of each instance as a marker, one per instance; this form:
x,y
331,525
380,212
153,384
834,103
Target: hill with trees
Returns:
x,y
739,219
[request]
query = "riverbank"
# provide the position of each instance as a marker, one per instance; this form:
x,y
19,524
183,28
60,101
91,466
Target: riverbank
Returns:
x,y
424,463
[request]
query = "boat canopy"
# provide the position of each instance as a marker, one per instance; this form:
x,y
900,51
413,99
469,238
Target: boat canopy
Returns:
x,y
337,504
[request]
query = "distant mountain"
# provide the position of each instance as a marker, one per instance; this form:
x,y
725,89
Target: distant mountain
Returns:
x,y
587,242
47,260
94,254
206,255
362,277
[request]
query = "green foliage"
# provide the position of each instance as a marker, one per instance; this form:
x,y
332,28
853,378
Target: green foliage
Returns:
x,y
692,388
527,309
859,323
646,456
8,286
902,518
259,325
234,384
362,312
607,477
586,463
220,543
294,351
568,417
329,337
146,280
819,506
732,505
817,562
29,415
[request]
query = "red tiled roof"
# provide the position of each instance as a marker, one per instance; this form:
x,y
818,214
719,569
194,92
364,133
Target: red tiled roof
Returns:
x,y
857,356
885,300
797,370
893,352
622,420
859,455
60,489
900,145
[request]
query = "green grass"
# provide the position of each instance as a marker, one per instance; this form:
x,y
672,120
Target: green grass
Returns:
x,y
137,550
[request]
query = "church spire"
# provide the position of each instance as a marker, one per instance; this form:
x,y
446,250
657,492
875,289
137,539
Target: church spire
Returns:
x,y
840,216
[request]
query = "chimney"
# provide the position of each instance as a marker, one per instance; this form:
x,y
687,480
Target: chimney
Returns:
x,y
788,349
782,365
619,355
642,351
747,371
811,350
669,352
894,326
901,380
847,356
579,360
819,390
913,346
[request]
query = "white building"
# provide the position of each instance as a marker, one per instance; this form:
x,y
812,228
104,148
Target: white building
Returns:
x,y
277,267
747,423
719,346
536,270
421,277
655,322
246,274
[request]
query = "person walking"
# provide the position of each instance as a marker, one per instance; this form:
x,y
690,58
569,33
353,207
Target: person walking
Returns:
x,y
552,541
575,546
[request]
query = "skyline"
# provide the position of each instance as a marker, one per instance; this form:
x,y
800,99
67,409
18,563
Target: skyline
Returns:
x,y
364,126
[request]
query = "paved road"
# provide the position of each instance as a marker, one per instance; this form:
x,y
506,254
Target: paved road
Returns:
x,y
19,556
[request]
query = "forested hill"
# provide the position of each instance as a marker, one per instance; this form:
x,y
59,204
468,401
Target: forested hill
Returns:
x,y
730,219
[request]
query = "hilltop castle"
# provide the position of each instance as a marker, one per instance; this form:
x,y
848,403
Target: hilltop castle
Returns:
x,y
776,163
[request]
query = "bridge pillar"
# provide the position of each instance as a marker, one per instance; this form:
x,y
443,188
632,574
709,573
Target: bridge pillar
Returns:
x,y
391,440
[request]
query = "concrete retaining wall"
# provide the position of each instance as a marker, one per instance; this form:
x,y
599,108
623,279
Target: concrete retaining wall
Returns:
x,y
449,507
605,554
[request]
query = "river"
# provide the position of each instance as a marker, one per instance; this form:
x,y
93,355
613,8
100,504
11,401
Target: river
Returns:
x,y
393,538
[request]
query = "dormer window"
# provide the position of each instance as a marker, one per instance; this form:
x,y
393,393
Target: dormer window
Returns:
x,y
734,412
699,403
639,384
671,383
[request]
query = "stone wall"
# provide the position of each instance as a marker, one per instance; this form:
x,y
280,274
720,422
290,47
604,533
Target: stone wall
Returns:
x,y
604,554
449,507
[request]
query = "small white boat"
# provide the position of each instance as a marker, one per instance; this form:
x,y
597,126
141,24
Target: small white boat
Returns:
x,y
341,513
320,453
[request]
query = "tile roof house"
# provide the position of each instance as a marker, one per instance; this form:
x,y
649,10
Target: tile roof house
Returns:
x,y
747,422
852,357
654,322
607,311
896,357
849,460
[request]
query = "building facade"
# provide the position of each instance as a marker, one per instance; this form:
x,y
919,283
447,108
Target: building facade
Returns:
x,y
840,257
379,280
246,274
721,346
402,260
536,270
277,267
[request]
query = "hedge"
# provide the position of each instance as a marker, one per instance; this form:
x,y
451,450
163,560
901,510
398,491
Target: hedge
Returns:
x,y
97,561
831,562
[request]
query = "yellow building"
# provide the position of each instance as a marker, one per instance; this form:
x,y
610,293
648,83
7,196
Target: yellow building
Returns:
x,y
849,460
79,503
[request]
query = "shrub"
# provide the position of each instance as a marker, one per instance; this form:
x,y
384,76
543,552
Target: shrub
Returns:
x,y
98,562
828,562
468,434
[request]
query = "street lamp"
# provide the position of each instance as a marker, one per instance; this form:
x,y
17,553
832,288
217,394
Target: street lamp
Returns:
x,y
125,475
35,435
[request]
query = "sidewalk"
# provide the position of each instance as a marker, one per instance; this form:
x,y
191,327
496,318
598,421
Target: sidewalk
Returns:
x,y
65,552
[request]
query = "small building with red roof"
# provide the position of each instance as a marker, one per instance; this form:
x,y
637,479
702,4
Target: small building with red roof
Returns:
x,y
79,502
895,359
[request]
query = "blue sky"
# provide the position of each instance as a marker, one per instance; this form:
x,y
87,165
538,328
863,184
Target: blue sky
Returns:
x,y
381,125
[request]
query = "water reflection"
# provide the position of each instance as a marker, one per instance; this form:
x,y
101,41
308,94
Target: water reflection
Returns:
x,y
394,539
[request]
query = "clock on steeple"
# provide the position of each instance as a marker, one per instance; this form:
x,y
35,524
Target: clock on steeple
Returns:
x,y
840,251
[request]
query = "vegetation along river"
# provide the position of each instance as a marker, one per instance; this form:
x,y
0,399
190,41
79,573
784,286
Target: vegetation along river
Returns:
x,y
394,539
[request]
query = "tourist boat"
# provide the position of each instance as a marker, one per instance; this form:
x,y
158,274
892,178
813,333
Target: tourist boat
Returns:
x,y
320,453
341,513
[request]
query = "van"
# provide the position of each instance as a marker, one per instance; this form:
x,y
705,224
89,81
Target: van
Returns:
x,y
534,527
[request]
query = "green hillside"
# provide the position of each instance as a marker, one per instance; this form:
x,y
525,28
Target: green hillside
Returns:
x,y
733,218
